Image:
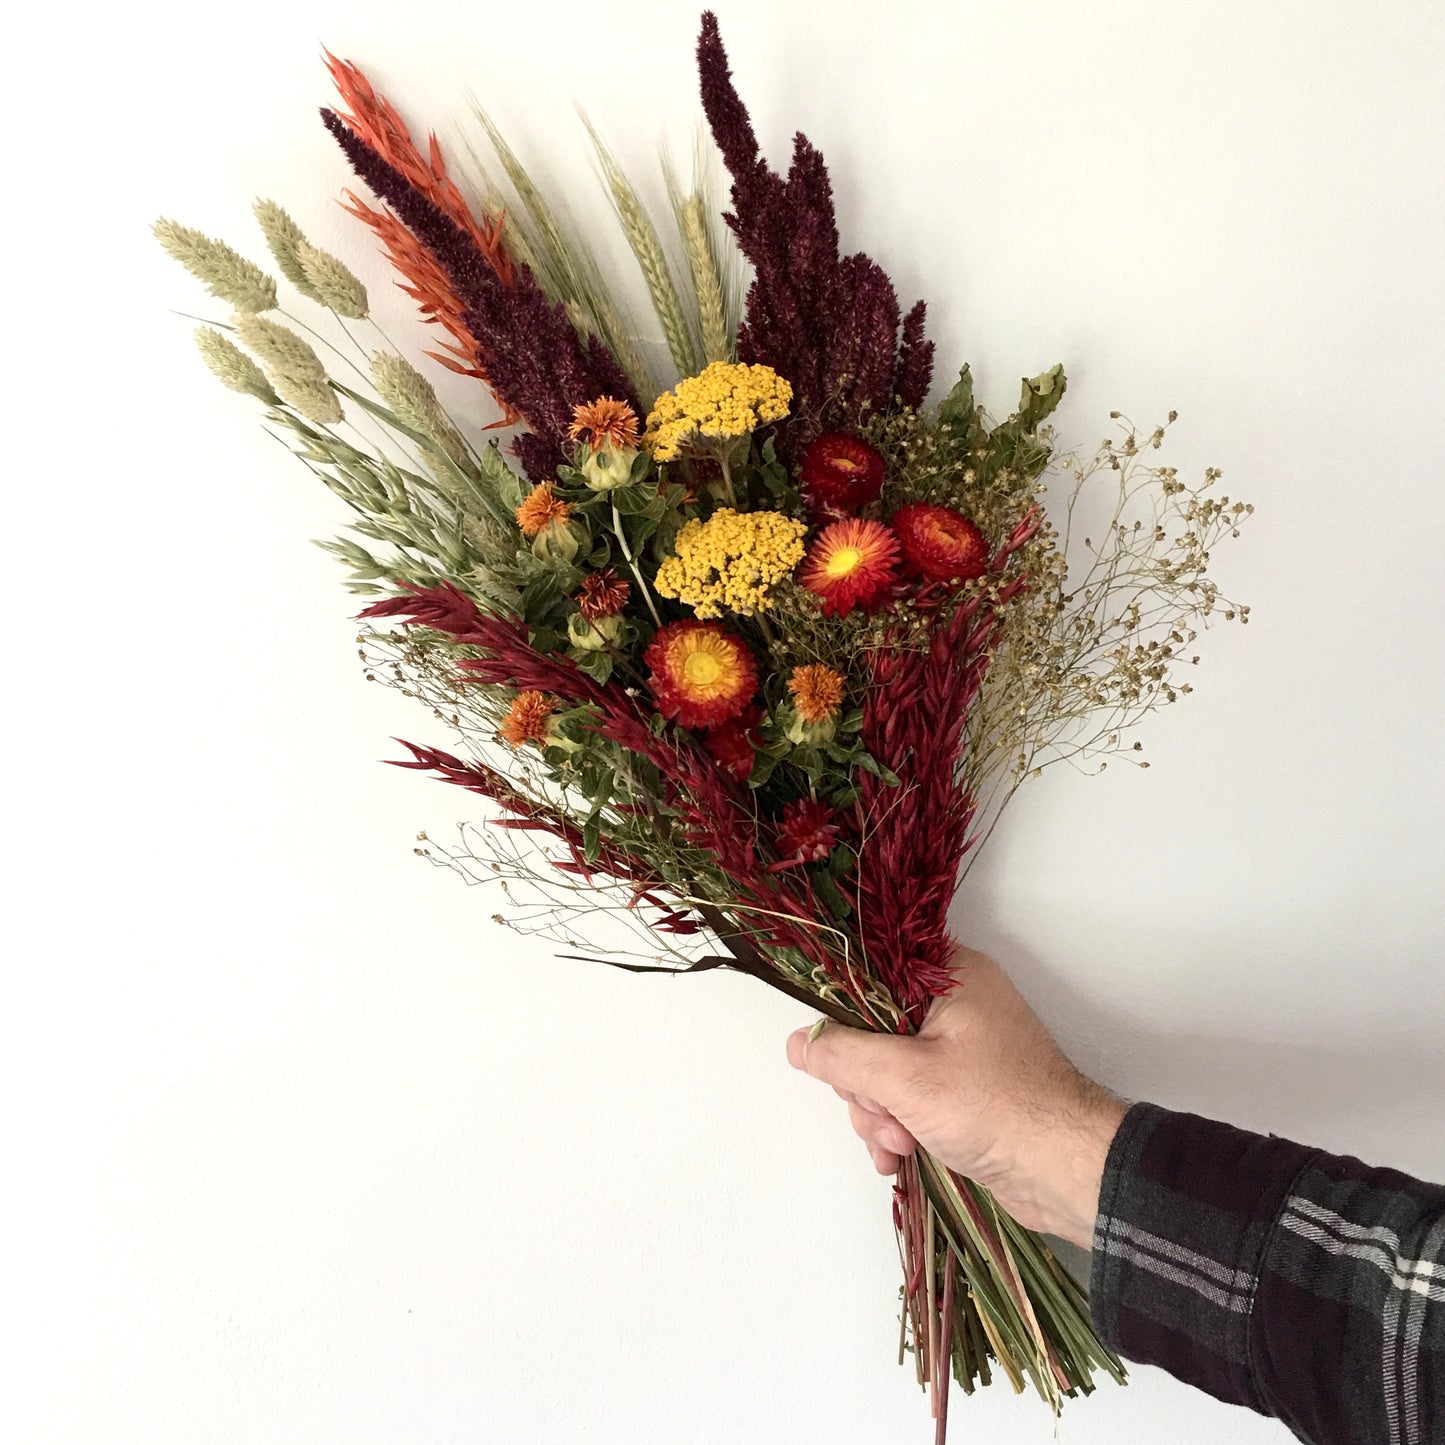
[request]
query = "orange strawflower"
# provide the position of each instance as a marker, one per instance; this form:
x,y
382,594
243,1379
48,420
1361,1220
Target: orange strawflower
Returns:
x,y
605,419
851,564
540,508
527,719
700,673
817,691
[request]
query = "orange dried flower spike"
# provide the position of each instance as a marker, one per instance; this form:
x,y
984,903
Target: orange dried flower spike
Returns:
x,y
376,121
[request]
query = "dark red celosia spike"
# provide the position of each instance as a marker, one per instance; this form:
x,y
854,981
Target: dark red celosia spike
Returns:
x,y
533,354
829,324
444,607
915,360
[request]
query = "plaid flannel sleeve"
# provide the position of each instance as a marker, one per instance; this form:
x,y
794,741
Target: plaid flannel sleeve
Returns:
x,y
1306,1286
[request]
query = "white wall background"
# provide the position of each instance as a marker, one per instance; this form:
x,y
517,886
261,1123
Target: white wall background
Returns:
x,y
300,1147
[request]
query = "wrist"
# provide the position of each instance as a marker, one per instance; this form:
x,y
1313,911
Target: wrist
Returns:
x,y
1066,1162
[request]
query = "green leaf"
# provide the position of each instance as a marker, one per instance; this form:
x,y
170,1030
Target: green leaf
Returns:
x,y
631,500
540,596
763,766
827,890
1039,398
592,839
501,481
956,410
870,764
597,665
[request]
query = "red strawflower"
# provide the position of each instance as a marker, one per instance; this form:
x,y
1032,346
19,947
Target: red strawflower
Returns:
x,y
939,544
731,744
851,563
806,833
602,594
841,474
700,673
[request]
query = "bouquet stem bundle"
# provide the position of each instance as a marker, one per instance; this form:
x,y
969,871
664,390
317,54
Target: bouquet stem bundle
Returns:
x,y
753,663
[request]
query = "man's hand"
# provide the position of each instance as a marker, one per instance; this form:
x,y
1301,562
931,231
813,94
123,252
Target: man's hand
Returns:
x,y
983,1087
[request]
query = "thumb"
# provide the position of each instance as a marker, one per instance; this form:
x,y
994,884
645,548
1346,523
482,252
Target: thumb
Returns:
x,y
852,1059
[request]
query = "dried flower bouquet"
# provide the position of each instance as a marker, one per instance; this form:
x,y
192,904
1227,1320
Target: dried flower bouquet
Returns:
x,y
753,659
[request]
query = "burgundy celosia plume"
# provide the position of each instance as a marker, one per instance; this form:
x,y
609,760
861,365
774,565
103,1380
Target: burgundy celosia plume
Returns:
x,y
534,357
828,323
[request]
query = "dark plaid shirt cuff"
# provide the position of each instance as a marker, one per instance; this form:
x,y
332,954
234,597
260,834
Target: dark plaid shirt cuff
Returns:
x,y
1304,1285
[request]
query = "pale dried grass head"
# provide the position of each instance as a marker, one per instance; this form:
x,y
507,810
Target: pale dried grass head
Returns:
x,y
227,274
332,282
283,238
232,367
293,367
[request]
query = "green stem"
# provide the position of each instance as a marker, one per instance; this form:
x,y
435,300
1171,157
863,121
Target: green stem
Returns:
x,y
632,563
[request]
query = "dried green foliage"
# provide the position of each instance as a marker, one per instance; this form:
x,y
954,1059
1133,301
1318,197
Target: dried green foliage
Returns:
x,y
718,340
227,274
414,400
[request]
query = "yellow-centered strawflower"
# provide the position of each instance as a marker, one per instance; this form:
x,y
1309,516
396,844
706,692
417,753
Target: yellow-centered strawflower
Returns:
x,y
731,562
726,400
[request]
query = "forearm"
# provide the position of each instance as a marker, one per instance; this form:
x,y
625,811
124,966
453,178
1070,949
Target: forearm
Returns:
x,y
1303,1285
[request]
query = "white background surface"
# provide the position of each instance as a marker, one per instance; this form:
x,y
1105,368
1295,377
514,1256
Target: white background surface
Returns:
x,y
301,1148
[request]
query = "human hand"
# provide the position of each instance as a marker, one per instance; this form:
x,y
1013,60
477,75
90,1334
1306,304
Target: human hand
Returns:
x,y
985,1089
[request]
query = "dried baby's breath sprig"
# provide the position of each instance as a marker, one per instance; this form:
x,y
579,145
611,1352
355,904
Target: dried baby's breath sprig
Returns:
x,y
232,367
332,282
227,274
1097,640
293,367
283,238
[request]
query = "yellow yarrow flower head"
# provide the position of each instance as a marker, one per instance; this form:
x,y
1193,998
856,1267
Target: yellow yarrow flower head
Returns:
x,y
723,402
731,562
